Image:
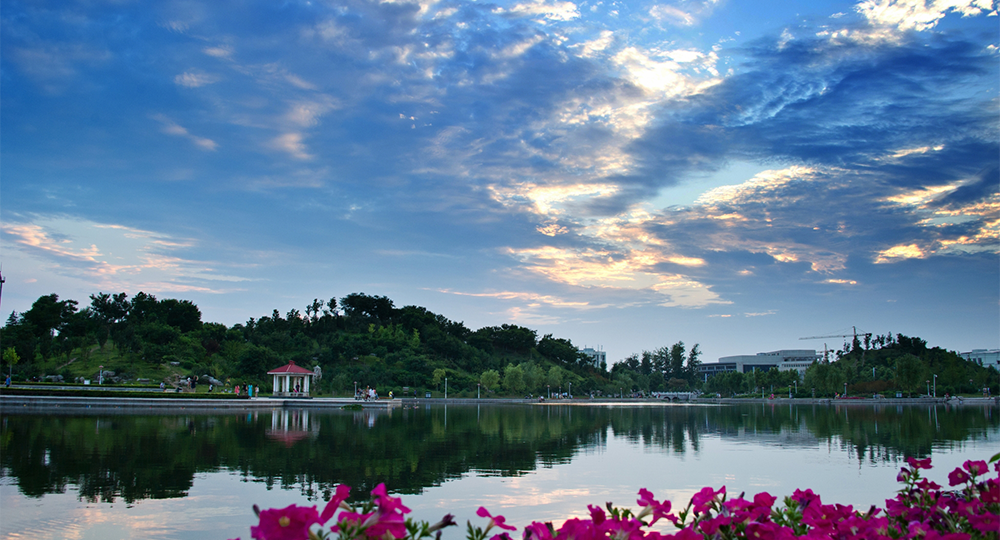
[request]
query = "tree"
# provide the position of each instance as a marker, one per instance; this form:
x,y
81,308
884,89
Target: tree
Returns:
x,y
489,379
10,358
693,363
676,361
438,376
513,379
561,350
555,377
909,372
379,308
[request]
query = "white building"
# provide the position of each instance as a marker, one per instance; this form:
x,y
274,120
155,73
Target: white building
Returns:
x,y
784,360
597,357
983,357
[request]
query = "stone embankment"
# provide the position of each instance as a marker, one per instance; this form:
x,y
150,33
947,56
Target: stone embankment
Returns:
x,y
18,403
11,403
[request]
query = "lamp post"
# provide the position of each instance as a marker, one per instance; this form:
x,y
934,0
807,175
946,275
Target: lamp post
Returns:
x,y
355,389
928,381
478,389
446,387
548,389
935,385
571,390
100,374
845,389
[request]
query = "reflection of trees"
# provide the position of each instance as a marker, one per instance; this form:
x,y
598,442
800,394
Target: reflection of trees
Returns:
x,y
135,457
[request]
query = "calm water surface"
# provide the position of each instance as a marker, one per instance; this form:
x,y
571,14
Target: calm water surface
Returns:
x,y
196,475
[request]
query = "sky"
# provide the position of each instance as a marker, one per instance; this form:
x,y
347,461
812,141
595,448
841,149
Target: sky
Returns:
x,y
729,173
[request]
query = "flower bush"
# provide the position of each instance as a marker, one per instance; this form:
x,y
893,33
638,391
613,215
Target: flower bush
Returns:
x,y
922,510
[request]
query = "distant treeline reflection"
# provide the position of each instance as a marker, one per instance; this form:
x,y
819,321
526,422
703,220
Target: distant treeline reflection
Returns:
x,y
132,457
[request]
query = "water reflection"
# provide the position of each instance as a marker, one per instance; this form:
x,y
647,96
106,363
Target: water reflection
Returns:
x,y
109,457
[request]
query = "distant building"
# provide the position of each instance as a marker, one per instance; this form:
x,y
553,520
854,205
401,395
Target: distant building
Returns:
x,y
983,357
784,360
598,358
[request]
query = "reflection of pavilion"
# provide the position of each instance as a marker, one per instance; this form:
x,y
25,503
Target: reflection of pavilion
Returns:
x,y
291,380
290,426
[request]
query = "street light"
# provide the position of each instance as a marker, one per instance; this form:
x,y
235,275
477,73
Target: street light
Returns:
x,y
355,389
570,390
478,389
845,389
548,388
446,387
928,381
935,385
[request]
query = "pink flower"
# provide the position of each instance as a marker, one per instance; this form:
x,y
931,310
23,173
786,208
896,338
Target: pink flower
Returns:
x,y
653,506
494,520
711,526
805,498
985,522
538,531
392,523
769,531
386,503
919,463
597,514
341,495
686,534
976,467
956,477
702,500
291,523
991,493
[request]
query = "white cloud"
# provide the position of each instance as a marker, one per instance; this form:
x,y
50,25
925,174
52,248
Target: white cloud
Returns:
x,y
291,143
111,256
672,15
920,14
683,13
195,79
551,10
172,128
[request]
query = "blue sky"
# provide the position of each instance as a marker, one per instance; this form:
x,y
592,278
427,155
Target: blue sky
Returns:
x,y
623,174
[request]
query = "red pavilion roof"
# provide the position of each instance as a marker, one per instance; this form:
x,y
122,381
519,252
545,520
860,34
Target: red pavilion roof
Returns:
x,y
291,368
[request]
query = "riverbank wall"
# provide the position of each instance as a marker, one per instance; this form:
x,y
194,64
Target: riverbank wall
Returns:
x,y
19,403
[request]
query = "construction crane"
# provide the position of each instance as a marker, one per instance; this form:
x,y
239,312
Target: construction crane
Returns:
x,y
854,336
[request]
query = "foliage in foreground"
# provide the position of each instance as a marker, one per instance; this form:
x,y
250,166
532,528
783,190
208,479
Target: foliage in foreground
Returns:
x,y
921,510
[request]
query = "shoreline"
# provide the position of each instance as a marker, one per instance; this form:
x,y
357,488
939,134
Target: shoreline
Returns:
x,y
12,403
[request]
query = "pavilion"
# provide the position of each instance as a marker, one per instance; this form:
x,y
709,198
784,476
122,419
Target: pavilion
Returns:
x,y
287,377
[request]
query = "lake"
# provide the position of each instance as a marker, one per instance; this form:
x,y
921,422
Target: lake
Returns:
x,y
107,474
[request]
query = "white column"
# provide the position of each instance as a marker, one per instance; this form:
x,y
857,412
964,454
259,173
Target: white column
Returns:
x,y
274,387
305,385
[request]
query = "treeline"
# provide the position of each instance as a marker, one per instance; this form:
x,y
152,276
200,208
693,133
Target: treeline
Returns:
x,y
358,338
866,366
890,363
667,369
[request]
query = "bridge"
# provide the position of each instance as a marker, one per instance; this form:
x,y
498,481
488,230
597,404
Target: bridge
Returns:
x,y
675,396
